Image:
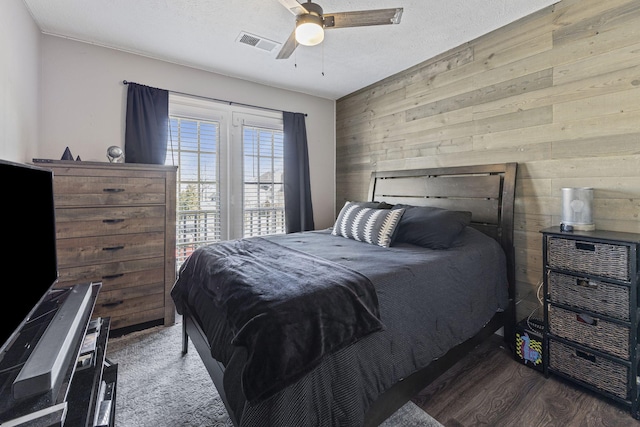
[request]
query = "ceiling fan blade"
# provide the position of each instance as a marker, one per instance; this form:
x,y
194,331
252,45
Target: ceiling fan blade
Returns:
x,y
288,47
363,18
294,7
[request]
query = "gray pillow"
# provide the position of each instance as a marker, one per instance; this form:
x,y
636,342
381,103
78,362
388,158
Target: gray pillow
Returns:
x,y
430,227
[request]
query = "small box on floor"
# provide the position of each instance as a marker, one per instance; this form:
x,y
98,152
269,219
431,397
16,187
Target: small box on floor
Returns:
x,y
528,343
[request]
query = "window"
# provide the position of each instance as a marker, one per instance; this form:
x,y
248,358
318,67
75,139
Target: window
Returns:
x,y
230,170
194,150
263,189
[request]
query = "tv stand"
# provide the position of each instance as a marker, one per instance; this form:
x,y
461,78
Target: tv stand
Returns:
x,y
88,384
93,389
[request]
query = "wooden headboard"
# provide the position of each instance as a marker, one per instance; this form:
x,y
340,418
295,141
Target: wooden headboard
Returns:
x,y
487,191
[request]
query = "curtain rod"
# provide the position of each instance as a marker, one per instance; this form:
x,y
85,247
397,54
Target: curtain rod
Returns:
x,y
218,100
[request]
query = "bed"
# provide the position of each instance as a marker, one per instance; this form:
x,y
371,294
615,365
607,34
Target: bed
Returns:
x,y
416,309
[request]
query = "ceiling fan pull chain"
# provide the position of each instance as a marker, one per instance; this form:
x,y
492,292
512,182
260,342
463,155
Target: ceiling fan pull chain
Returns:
x,y
322,59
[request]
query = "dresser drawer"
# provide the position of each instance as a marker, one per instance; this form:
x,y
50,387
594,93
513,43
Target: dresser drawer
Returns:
x,y
131,306
84,222
594,258
600,334
598,371
121,298
104,191
114,275
106,249
588,294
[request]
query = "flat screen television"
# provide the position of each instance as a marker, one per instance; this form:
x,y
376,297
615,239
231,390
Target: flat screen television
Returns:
x,y
41,327
29,262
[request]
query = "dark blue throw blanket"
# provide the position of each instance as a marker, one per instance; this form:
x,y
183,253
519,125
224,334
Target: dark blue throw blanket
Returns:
x,y
287,308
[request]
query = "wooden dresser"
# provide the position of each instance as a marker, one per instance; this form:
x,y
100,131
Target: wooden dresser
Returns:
x,y
115,224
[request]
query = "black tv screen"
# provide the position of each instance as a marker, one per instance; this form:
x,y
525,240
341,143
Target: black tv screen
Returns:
x,y
29,262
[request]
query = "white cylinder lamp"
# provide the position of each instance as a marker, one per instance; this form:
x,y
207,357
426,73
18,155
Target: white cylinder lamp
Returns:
x,y
577,204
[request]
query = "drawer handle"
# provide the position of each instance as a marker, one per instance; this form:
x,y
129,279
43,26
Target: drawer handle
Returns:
x,y
112,304
113,190
112,221
586,283
585,246
586,356
585,318
113,248
113,276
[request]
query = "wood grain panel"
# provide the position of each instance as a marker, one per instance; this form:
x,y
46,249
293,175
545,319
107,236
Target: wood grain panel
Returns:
x,y
109,170
397,84
613,17
556,91
131,305
84,222
521,154
519,34
598,146
596,65
598,106
99,249
115,275
617,124
577,167
532,223
529,82
593,85
69,191
479,186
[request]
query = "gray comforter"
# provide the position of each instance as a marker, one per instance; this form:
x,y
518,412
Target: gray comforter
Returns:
x,y
429,301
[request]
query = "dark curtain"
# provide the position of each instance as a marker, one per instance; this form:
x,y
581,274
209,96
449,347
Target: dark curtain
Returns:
x,y
297,187
145,139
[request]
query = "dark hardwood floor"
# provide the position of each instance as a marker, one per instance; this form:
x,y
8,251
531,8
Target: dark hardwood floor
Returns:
x,y
490,388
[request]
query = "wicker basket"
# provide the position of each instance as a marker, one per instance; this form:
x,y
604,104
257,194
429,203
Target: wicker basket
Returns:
x,y
593,295
607,337
600,259
598,371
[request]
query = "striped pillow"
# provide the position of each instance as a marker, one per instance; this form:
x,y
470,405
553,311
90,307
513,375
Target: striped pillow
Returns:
x,y
374,226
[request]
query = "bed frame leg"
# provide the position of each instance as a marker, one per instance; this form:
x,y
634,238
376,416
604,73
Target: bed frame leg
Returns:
x,y
185,337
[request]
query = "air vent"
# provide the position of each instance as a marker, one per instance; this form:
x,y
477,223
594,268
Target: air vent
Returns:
x,y
257,41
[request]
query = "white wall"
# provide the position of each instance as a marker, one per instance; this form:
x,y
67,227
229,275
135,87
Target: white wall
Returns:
x,y
84,106
19,82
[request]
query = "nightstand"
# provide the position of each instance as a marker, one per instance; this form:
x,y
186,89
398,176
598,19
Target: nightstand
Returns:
x,y
591,311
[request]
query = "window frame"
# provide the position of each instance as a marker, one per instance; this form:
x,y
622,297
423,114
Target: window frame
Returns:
x,y
232,119
197,109
262,119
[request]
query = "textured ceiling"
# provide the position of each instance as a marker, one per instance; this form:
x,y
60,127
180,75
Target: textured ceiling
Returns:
x,y
203,34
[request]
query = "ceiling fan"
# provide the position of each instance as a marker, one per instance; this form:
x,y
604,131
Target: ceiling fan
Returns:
x,y
311,23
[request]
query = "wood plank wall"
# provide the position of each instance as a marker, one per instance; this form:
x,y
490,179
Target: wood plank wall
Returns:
x,y
557,91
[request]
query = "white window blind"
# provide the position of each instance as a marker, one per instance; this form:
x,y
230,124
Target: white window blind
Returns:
x,y
263,188
194,148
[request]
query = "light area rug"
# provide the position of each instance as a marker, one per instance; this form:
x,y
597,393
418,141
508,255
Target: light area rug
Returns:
x,y
158,386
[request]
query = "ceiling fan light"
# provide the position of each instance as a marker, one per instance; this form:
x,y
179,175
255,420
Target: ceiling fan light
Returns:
x,y
309,31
